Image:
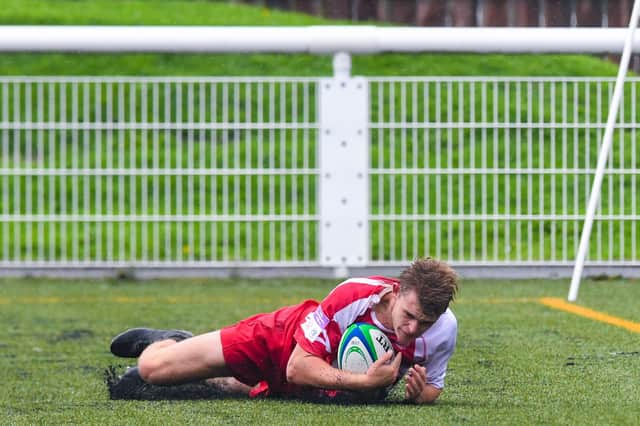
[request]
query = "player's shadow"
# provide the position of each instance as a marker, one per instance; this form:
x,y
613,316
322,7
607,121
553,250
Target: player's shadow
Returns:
x,y
123,390
135,390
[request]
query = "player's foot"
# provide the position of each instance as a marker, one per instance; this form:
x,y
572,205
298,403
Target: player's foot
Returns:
x,y
132,342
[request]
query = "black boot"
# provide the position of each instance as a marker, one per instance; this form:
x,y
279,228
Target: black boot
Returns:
x,y
132,342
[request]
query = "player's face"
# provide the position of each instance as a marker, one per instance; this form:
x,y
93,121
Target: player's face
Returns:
x,y
409,321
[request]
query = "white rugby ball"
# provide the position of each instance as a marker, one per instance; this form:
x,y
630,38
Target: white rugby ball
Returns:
x,y
360,346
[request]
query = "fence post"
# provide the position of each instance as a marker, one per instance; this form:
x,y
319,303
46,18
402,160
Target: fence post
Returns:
x,y
344,161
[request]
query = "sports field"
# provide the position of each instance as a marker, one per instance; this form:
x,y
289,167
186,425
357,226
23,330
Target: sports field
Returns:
x,y
523,355
518,360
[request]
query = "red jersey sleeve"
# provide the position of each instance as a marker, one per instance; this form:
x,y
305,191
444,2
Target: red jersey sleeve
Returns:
x,y
320,331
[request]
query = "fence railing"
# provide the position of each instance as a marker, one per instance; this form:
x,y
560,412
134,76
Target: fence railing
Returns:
x,y
340,172
499,170
150,171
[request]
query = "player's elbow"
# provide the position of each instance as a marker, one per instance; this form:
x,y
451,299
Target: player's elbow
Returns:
x,y
294,370
430,399
430,394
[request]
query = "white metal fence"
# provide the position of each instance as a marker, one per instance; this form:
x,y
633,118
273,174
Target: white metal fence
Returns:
x,y
109,172
499,170
199,172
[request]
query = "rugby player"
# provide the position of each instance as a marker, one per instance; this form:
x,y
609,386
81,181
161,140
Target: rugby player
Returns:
x,y
293,349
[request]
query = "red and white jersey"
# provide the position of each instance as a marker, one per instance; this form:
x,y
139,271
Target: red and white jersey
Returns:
x,y
352,301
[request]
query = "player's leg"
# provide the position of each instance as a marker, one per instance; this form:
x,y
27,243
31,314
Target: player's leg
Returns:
x,y
170,362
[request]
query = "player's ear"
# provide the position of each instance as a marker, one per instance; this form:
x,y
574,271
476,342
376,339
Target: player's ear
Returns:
x,y
393,296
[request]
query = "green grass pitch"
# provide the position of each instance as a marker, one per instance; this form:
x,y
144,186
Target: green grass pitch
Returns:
x,y
517,361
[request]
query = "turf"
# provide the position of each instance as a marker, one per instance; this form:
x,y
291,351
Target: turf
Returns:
x,y
517,361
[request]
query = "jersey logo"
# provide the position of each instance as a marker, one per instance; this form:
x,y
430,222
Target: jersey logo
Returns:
x,y
314,325
311,328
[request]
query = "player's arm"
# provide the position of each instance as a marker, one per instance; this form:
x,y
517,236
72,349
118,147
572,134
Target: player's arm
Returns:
x,y
306,369
417,389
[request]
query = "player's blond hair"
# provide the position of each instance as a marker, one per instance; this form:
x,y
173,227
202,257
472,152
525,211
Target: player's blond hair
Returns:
x,y
435,283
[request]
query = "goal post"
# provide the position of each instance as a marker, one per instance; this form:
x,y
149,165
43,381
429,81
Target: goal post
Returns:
x,y
605,148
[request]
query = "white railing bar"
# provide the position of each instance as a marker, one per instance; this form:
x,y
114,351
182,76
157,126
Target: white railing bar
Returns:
x,y
499,171
294,79
488,79
155,264
21,125
153,80
493,125
154,172
515,263
120,249
255,264
450,151
310,39
634,193
497,217
17,218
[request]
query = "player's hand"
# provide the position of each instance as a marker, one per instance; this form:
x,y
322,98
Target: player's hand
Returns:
x,y
415,383
385,370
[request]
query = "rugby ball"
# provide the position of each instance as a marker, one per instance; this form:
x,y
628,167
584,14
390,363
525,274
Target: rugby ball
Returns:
x,y
360,346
